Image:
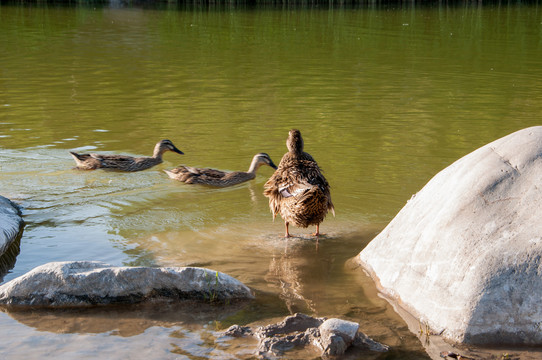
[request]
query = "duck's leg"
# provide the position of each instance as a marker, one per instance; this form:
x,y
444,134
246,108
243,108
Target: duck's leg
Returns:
x,y
317,230
287,234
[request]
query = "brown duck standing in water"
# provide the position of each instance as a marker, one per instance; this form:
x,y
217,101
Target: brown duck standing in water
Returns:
x,y
218,178
298,190
124,162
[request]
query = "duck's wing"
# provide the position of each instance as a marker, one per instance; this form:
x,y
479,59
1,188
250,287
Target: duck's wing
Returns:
x,y
112,157
297,179
302,173
194,175
314,176
212,173
296,184
281,184
203,172
114,161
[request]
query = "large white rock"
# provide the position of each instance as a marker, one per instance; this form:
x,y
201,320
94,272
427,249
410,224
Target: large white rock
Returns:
x,y
464,254
83,283
10,223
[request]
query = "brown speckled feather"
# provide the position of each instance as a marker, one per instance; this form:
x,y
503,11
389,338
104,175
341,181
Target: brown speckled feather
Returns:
x,y
124,162
218,178
210,177
298,190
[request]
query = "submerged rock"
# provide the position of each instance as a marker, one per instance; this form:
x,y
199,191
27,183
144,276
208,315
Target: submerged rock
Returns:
x,y
464,254
10,223
331,336
84,283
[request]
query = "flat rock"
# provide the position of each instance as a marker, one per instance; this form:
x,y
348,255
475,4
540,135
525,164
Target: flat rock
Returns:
x,y
464,254
84,283
10,223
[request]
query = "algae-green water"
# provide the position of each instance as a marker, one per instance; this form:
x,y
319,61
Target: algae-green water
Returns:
x,y
385,97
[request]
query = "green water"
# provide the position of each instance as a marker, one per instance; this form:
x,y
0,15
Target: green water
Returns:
x,y
384,96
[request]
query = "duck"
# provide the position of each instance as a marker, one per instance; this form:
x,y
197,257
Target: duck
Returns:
x,y
124,162
298,190
219,178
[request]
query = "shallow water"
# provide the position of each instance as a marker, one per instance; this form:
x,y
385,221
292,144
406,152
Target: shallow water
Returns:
x,y
385,98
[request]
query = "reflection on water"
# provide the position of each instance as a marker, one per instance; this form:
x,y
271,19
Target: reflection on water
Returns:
x,y
385,97
9,257
124,321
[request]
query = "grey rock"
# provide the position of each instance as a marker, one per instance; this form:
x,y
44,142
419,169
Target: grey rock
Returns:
x,y
238,331
84,283
277,345
332,337
336,336
10,223
333,344
346,329
464,254
296,322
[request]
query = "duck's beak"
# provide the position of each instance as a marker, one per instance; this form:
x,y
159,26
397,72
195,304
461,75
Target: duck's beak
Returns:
x,y
272,165
177,150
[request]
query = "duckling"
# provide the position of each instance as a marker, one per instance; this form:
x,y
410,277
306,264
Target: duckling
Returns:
x,y
124,162
218,178
298,190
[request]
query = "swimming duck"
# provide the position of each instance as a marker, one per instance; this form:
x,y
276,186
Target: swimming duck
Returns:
x,y
218,178
124,162
297,190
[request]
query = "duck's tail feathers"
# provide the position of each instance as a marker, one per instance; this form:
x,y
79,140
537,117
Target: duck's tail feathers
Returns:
x,y
76,155
170,174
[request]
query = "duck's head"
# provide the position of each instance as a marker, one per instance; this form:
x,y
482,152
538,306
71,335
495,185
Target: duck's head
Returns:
x,y
294,142
259,160
265,159
166,145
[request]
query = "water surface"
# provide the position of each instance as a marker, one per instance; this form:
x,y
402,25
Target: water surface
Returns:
x,y
385,98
